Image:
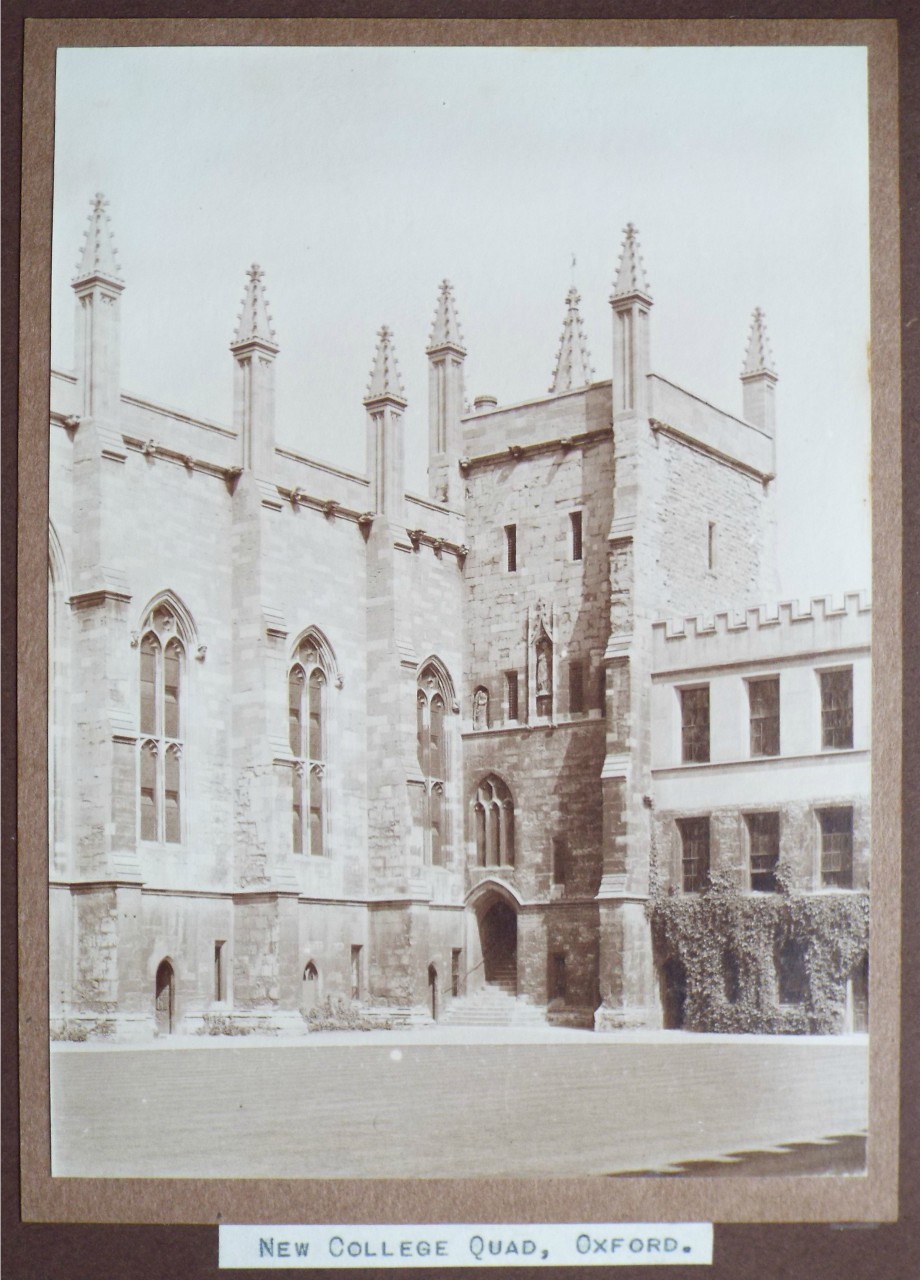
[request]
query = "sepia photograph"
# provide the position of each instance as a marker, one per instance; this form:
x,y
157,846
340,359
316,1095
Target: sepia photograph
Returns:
x,y
460,618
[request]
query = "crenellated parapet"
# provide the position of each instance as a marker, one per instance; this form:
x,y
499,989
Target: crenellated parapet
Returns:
x,y
762,632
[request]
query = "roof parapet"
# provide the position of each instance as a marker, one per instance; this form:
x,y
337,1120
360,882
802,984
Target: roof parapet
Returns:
x,y
760,617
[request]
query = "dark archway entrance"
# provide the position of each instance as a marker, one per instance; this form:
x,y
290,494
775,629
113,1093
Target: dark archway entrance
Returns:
x,y
165,998
673,994
433,991
498,938
858,997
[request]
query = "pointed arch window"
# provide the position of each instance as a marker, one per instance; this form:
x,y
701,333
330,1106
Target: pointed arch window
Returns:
x,y
308,687
162,726
431,705
493,823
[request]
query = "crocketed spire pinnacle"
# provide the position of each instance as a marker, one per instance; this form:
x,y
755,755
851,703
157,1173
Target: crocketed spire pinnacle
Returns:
x,y
254,323
386,382
630,281
98,257
573,360
445,331
758,357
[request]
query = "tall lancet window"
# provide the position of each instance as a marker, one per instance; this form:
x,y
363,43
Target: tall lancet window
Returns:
x,y
493,823
162,726
431,705
307,691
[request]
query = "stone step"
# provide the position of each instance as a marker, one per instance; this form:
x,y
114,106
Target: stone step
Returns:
x,y
491,1006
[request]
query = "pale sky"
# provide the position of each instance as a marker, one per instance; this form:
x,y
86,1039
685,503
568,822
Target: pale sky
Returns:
x,y
360,178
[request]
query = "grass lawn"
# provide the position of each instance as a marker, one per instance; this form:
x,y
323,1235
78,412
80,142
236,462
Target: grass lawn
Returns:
x,y
352,1106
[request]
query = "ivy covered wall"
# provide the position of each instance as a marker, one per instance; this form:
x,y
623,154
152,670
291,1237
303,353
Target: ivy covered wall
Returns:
x,y
734,962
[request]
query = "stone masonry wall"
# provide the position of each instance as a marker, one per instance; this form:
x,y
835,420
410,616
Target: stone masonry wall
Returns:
x,y
691,492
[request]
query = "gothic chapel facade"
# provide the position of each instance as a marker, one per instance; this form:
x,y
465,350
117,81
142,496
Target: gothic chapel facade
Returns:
x,y
316,736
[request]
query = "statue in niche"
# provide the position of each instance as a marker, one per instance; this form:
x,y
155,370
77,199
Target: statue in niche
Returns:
x,y
481,709
543,679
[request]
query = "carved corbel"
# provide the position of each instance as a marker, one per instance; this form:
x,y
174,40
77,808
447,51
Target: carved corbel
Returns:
x,y
415,537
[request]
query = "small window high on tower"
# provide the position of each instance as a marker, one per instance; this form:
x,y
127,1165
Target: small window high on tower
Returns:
x,y
575,517
511,547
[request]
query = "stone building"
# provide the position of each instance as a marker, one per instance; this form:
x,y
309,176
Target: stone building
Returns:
x,y
312,735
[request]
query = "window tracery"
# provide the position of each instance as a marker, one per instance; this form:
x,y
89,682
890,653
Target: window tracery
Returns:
x,y
163,656
432,703
493,823
307,691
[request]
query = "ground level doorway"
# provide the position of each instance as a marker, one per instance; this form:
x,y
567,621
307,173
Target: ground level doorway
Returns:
x,y
498,939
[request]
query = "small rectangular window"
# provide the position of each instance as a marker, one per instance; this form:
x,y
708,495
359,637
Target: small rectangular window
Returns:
x,y
694,706
694,838
837,708
763,696
455,971
511,547
576,686
219,970
560,859
511,686
575,517
711,545
356,973
763,838
836,848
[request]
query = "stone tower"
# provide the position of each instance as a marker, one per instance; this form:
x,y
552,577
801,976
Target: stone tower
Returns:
x,y
627,972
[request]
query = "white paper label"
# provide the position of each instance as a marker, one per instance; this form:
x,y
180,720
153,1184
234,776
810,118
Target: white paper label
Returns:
x,y
606,1244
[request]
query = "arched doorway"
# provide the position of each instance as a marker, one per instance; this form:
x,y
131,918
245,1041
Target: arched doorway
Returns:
x,y
309,995
498,938
673,994
165,998
433,991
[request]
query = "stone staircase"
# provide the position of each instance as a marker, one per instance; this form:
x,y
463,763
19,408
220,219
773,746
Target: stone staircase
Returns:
x,y
494,1005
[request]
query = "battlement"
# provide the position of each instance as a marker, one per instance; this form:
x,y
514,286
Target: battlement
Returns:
x,y
763,632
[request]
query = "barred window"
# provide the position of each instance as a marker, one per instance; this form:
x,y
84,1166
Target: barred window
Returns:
x,y
763,840
763,696
161,720
511,688
694,836
837,708
577,545
576,686
511,547
694,706
836,847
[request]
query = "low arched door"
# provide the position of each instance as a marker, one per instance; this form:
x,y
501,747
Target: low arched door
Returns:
x,y
433,990
165,998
